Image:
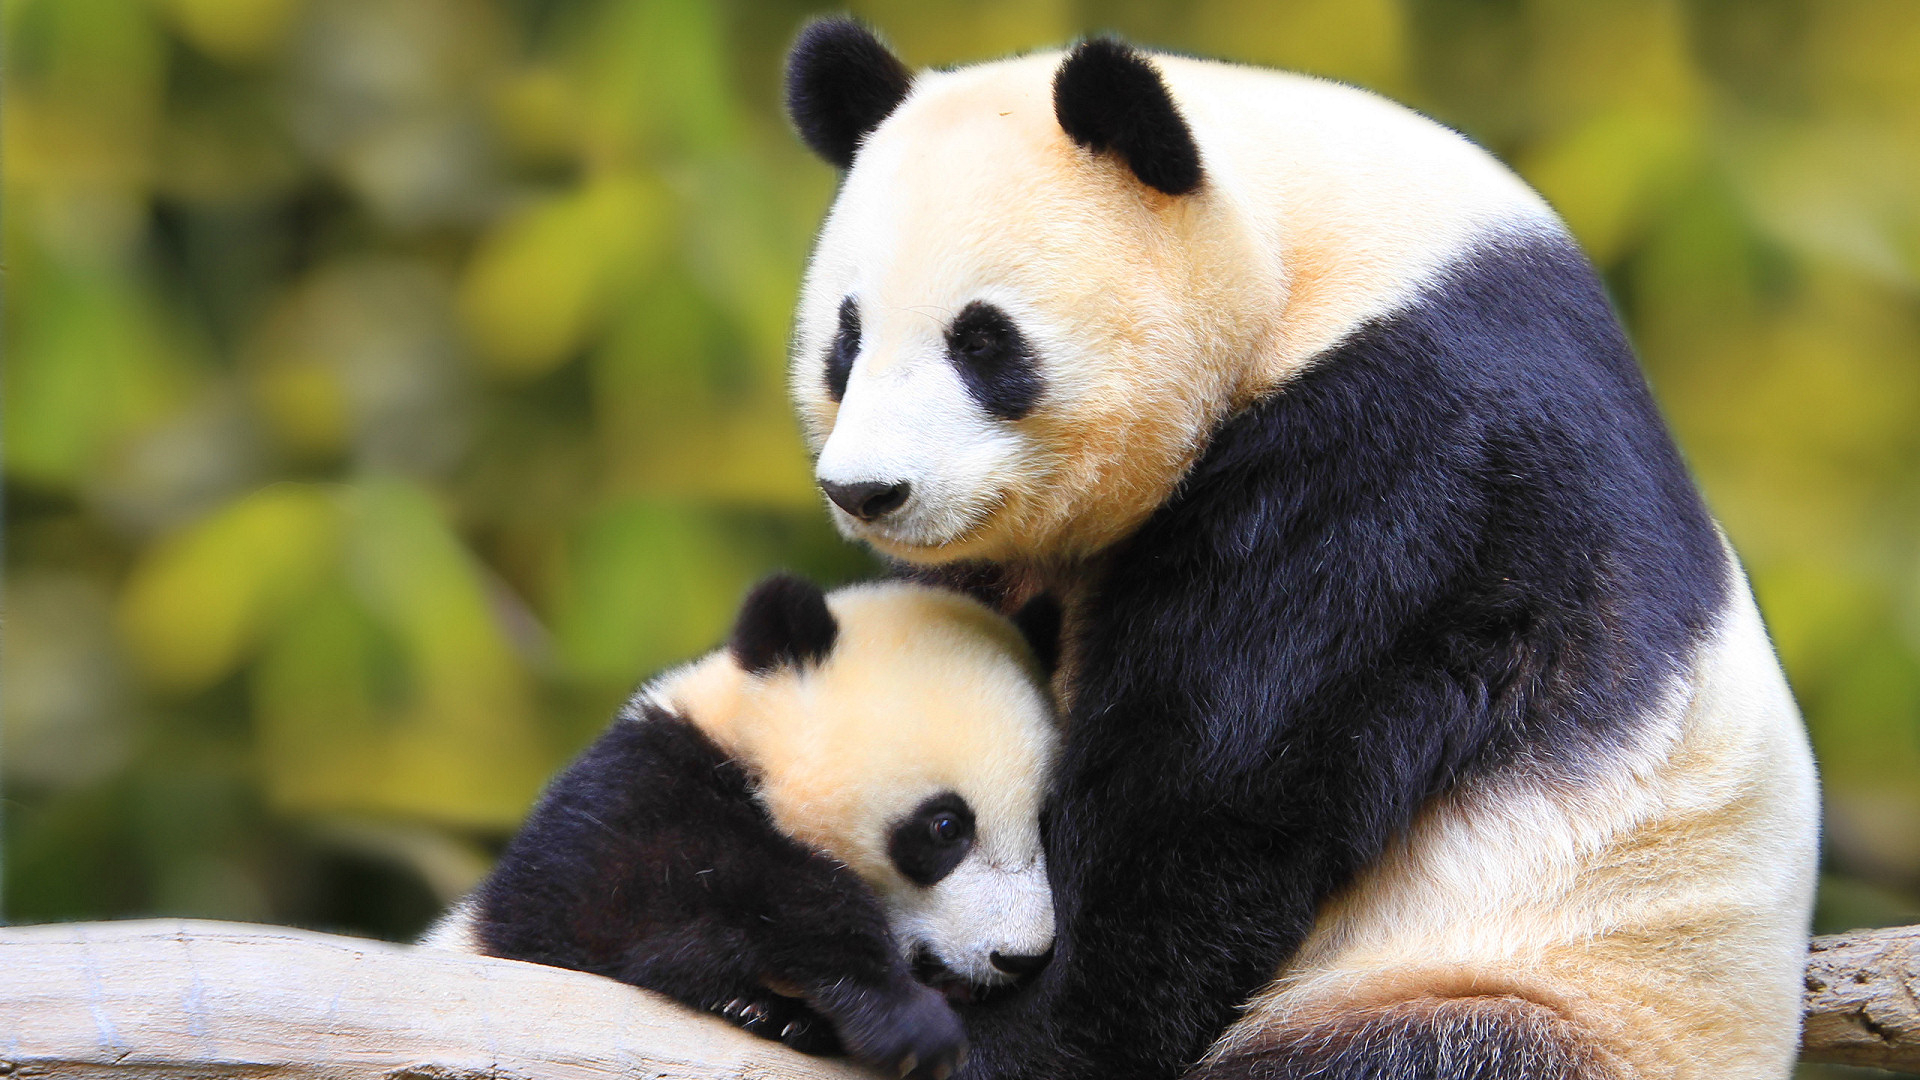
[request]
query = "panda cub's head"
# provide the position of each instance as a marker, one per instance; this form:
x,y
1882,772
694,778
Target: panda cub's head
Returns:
x,y
905,731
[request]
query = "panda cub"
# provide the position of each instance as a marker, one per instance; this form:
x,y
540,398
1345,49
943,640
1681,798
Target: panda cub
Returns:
x,y
789,830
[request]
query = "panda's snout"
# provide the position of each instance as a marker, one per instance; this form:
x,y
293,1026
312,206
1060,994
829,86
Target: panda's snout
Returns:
x,y
868,500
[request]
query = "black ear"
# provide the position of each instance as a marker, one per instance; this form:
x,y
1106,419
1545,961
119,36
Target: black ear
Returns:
x,y
784,621
841,82
1039,622
1109,97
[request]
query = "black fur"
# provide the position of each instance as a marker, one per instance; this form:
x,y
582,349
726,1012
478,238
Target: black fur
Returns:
x,y
1039,622
994,360
785,620
841,83
649,861
845,349
1109,97
1461,542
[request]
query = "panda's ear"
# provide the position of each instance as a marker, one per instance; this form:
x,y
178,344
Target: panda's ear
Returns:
x,y
1109,98
1039,622
785,621
841,83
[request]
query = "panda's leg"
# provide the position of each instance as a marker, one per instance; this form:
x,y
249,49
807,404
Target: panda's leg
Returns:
x,y
820,981
1459,1038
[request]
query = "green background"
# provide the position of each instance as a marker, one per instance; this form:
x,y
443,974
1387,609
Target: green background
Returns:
x,y
391,383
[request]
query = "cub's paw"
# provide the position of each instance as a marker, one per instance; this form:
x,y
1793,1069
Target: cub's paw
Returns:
x,y
913,1034
782,1019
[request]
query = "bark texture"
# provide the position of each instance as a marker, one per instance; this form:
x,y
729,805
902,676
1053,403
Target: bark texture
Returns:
x,y
171,999
178,998
1863,999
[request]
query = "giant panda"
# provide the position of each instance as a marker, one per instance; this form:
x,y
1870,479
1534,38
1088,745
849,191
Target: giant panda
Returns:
x,y
794,827
1419,719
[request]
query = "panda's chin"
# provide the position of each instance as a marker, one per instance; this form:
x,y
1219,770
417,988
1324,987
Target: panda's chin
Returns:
x,y
974,539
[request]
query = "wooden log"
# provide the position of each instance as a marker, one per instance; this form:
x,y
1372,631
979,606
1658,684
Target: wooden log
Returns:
x,y
178,998
174,998
1863,999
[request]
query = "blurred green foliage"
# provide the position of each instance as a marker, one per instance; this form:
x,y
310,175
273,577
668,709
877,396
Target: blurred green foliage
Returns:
x,y
391,383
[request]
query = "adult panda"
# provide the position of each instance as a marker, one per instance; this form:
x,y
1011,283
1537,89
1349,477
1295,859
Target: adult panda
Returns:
x,y
783,831
1420,722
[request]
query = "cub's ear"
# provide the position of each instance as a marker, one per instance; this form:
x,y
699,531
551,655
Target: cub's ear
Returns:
x,y
1108,97
784,621
1039,622
841,82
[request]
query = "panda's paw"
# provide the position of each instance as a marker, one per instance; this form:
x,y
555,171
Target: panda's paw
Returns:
x,y
782,1019
914,1036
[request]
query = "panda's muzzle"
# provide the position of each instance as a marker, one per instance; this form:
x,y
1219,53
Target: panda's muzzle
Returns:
x,y
868,500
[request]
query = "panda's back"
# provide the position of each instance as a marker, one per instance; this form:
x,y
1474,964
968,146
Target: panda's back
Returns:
x,y
1366,199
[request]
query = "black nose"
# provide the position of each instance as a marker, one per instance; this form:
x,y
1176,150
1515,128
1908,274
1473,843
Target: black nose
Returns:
x,y
1019,965
868,499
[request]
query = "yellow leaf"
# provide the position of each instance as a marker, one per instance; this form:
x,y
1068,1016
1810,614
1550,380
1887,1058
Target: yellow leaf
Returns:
x,y
1605,175
198,602
533,291
238,31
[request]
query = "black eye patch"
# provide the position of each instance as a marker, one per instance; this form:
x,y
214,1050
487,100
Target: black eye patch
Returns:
x,y
994,360
846,346
931,841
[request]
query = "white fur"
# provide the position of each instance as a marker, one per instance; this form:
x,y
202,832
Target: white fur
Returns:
x,y
453,931
914,421
986,905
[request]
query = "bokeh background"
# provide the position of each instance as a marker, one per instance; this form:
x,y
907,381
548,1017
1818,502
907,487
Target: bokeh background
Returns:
x,y
390,384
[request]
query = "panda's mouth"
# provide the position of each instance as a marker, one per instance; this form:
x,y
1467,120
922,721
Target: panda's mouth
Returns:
x,y
956,987
916,540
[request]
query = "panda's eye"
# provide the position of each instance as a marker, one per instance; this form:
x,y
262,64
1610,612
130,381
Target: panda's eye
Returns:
x,y
927,844
846,346
945,829
994,361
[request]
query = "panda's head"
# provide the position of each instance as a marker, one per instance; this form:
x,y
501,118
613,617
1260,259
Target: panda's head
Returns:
x,y
1006,343
905,731
1045,280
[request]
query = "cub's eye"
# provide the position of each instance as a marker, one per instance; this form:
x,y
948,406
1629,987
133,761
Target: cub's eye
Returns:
x,y
994,361
846,346
927,844
945,829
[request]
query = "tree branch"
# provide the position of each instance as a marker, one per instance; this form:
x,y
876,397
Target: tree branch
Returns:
x,y
1863,999
170,999
179,998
